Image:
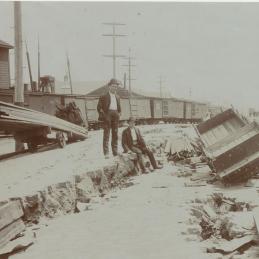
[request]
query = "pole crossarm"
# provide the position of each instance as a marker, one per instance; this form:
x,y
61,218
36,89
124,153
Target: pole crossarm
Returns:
x,y
114,36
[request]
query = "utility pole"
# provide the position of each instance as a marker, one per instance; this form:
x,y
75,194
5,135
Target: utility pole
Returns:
x,y
38,64
29,65
19,88
130,65
161,81
69,74
114,56
124,80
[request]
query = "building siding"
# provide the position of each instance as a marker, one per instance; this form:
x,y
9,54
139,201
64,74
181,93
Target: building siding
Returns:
x,y
4,68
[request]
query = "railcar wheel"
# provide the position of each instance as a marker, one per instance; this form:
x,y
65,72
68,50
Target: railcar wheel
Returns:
x,y
32,146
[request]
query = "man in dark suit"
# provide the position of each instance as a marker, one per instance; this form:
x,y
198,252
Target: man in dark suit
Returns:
x,y
132,141
109,110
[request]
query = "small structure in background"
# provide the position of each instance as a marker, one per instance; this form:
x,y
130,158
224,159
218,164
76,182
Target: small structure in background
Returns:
x,y
5,65
47,84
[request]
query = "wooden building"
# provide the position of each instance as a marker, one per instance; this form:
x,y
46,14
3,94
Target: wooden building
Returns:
x,y
5,81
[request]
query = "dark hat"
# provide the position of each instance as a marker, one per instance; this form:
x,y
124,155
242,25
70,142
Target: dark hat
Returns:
x,y
132,119
113,81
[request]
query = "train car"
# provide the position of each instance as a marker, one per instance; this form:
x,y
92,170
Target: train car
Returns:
x,y
92,114
140,108
156,107
43,102
187,111
173,110
199,111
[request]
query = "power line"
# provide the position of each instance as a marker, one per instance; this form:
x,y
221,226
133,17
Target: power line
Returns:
x,y
114,56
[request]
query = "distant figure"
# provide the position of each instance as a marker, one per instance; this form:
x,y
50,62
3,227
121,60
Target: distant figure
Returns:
x,y
132,141
109,110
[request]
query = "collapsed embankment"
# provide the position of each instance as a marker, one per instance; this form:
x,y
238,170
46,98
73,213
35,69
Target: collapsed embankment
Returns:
x,y
62,198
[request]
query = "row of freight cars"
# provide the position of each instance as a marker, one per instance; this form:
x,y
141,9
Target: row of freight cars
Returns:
x,y
147,110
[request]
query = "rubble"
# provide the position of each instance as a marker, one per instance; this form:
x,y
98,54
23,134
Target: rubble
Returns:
x,y
227,225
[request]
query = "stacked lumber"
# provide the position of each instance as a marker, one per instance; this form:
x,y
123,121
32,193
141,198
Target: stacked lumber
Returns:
x,y
232,145
11,223
15,118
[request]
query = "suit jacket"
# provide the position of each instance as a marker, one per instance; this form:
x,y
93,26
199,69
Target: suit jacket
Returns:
x,y
104,104
127,141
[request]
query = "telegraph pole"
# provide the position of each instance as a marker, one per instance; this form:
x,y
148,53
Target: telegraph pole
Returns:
x,y
161,81
38,63
19,88
130,65
69,74
114,56
29,65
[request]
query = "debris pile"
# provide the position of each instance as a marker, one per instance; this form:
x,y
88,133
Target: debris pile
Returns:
x,y
70,113
224,224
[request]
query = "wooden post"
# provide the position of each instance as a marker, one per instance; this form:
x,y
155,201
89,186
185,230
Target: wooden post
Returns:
x,y
19,89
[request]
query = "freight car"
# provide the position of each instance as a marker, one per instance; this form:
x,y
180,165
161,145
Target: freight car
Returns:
x,y
147,110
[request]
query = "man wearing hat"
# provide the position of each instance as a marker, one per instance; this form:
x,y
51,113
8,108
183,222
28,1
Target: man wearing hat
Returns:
x,y
109,110
132,141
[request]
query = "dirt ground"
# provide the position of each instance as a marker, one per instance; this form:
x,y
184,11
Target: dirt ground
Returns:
x,y
150,219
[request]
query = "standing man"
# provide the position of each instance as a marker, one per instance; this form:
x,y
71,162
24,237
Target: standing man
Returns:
x,y
132,141
109,110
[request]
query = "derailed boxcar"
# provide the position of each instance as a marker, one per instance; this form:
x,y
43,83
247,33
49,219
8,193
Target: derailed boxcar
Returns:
x,y
232,144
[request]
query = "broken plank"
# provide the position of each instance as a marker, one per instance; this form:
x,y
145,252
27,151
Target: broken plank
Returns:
x,y
10,212
225,246
256,218
10,231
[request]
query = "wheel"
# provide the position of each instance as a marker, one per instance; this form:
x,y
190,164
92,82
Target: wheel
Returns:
x,y
61,139
32,146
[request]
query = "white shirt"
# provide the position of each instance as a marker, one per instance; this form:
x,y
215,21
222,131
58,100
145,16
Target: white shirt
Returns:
x,y
113,104
133,134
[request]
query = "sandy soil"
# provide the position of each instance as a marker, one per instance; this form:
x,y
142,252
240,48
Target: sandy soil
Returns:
x,y
141,222
147,220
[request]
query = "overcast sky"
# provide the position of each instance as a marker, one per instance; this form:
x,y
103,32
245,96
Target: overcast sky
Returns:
x,y
210,48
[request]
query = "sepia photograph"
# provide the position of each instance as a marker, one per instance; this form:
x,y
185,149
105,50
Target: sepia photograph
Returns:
x,y
129,130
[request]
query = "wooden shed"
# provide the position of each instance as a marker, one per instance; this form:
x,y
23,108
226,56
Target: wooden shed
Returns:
x,y
5,81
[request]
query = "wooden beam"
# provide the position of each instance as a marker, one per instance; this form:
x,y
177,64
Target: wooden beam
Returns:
x,y
10,212
10,231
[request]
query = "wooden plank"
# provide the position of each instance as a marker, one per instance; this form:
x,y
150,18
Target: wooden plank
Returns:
x,y
14,112
10,231
10,212
256,218
232,245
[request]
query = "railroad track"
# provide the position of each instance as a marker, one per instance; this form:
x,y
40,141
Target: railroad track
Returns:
x,y
16,154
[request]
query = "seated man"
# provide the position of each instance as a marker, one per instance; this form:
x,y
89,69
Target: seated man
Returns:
x,y
132,141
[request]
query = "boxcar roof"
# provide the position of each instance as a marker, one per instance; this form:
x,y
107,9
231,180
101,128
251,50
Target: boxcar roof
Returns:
x,y
5,45
124,93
